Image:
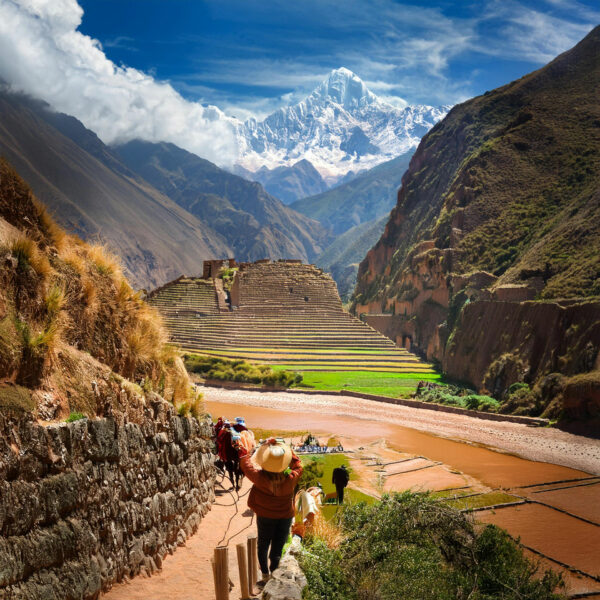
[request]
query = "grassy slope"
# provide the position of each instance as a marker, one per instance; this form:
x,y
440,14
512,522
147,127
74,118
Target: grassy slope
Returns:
x,y
369,196
68,318
518,171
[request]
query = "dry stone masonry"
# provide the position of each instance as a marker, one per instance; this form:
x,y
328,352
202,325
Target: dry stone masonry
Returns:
x,y
93,502
281,306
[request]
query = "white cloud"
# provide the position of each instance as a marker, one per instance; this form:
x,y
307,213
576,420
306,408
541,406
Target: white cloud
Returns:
x,y
43,54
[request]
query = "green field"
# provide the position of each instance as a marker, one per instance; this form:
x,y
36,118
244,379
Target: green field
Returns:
x,y
329,462
394,385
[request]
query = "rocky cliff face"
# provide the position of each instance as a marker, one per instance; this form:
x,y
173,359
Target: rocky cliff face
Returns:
x,y
500,203
89,503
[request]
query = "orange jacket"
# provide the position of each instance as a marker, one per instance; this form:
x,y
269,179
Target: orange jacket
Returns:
x,y
271,497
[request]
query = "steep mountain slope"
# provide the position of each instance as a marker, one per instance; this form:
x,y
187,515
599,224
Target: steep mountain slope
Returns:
x,y
71,327
287,183
255,224
366,198
96,196
501,203
340,127
342,257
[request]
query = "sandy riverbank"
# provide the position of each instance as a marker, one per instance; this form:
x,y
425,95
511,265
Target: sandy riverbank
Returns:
x,y
537,444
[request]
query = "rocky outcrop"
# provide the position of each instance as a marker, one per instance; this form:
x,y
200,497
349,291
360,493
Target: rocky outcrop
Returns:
x,y
89,503
496,344
288,580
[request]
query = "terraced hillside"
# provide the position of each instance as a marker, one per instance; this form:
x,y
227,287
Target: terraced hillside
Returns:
x,y
280,313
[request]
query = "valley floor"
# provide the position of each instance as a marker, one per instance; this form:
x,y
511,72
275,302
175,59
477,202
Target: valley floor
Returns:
x,y
541,484
545,445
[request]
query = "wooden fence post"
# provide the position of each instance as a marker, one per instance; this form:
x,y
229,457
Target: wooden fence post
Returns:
x,y
244,572
221,573
252,562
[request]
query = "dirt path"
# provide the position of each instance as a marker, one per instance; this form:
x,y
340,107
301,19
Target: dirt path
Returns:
x,y
187,574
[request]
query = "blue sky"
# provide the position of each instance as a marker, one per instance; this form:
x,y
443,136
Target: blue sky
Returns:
x,y
154,69
249,57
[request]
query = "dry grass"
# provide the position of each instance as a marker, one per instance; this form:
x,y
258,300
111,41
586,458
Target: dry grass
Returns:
x,y
28,255
55,234
72,257
66,295
55,299
325,530
105,262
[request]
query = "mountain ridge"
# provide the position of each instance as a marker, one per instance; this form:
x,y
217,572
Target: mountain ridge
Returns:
x,y
85,193
499,215
254,224
339,127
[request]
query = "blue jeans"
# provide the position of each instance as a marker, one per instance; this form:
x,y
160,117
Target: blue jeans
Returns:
x,y
273,533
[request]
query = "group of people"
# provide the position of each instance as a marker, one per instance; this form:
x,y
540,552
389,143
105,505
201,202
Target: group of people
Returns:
x,y
274,482
274,473
317,449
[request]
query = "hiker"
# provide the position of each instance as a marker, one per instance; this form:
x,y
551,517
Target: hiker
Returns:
x,y
340,479
271,498
229,454
240,425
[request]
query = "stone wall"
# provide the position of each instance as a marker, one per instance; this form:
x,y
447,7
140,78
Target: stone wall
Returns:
x,y
89,503
496,344
288,580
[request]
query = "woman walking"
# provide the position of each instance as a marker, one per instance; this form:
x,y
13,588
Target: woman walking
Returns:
x,y
271,498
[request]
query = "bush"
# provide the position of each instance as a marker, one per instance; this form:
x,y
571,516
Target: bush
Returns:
x,y
75,416
461,397
413,547
312,472
222,369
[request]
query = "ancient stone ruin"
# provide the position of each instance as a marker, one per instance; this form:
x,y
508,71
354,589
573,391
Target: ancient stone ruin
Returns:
x,y
268,305
89,503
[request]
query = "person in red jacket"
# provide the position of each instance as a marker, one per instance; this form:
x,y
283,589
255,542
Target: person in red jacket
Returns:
x,y
271,498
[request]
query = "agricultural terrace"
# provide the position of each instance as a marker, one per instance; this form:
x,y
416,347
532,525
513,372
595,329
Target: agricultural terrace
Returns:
x,y
289,316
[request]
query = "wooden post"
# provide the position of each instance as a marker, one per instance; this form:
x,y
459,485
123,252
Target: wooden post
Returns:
x,y
252,562
221,573
243,568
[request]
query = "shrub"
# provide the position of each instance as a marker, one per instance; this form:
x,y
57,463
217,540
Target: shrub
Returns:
x,y
461,397
411,546
312,472
222,369
75,416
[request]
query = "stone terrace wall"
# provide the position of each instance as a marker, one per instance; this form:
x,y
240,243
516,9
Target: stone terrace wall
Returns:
x,y
86,504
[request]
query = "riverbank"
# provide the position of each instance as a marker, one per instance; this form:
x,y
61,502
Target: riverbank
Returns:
x,y
545,445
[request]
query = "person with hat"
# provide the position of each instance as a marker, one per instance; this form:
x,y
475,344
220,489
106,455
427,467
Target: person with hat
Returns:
x,y
271,498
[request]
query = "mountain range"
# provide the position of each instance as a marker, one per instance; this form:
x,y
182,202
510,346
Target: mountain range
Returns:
x,y
92,192
340,127
490,260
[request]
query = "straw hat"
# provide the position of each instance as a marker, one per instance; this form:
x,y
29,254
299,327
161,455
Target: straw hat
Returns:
x,y
274,458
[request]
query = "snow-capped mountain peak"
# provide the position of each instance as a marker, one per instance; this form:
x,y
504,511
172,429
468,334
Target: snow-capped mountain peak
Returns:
x,y
345,88
341,126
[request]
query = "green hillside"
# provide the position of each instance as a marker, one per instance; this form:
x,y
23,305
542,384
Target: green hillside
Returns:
x,y
368,196
510,181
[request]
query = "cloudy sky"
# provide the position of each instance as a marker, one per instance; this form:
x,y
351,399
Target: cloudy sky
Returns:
x,y
149,68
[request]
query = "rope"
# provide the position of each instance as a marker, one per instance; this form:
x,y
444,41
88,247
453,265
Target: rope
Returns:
x,y
225,540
